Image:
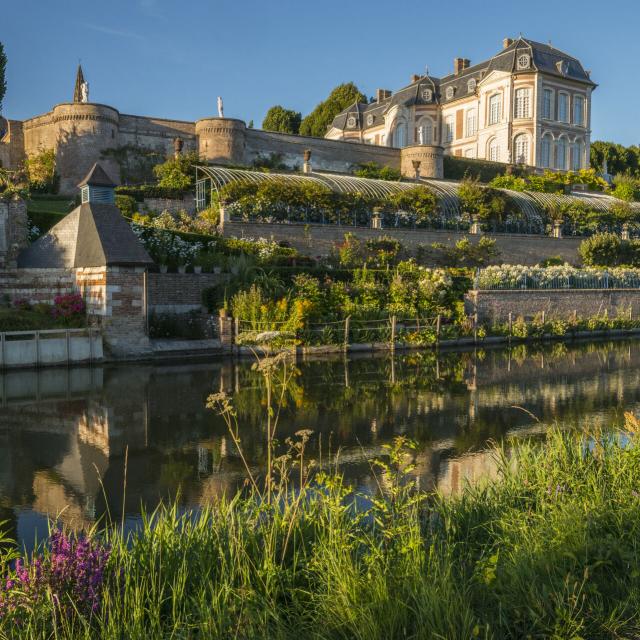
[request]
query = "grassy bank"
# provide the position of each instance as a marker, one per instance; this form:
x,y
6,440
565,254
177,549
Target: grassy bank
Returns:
x,y
549,551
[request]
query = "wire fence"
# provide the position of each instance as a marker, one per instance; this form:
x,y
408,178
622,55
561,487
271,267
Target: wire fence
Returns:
x,y
490,281
391,330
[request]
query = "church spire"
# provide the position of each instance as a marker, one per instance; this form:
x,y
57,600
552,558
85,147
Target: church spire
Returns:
x,y
77,92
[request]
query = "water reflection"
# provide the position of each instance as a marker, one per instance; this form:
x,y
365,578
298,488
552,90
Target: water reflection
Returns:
x,y
65,434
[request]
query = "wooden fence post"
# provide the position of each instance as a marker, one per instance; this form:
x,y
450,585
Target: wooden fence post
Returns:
x,y
475,328
543,316
438,322
510,326
393,332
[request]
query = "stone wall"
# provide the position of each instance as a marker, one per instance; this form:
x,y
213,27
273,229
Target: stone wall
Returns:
x,y
14,230
495,306
173,205
36,285
317,240
179,292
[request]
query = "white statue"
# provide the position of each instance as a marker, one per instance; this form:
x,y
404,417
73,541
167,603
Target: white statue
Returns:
x,y
220,108
84,92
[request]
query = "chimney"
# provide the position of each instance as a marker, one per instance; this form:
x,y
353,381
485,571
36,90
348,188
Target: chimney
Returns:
x,y
382,94
415,77
460,64
507,42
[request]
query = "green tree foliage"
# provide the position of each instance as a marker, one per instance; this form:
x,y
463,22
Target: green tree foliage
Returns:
x,y
550,181
484,202
318,121
419,200
3,80
620,159
282,120
178,173
609,250
376,171
41,171
626,188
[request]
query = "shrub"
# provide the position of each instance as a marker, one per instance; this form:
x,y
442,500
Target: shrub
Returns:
x,y
604,250
127,205
41,171
68,306
176,325
463,254
376,171
178,172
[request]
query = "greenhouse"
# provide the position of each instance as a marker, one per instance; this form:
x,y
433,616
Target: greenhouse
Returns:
x,y
528,209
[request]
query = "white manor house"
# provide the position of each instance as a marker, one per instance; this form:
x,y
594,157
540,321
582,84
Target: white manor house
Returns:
x,y
529,104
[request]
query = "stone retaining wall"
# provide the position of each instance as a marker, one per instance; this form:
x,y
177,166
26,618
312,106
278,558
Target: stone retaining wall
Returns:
x,y
495,306
179,292
315,240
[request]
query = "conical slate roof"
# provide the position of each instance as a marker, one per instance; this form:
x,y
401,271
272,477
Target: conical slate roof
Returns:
x,y
97,177
92,235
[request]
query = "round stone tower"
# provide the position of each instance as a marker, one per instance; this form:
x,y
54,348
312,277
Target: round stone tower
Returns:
x,y
81,132
430,158
221,140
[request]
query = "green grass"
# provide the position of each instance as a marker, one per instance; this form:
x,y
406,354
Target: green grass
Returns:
x,y
12,319
549,551
44,210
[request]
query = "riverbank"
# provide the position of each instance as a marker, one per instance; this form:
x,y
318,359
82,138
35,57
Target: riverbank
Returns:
x,y
549,550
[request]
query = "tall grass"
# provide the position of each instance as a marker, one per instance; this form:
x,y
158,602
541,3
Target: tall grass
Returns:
x,y
549,551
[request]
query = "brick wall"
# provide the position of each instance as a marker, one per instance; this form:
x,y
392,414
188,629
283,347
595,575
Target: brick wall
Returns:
x,y
36,285
495,306
179,292
319,239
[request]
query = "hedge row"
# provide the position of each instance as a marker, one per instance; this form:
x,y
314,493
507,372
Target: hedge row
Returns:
x,y
457,168
141,192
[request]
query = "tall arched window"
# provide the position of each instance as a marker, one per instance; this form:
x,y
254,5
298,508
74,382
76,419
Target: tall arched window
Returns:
x,y
545,152
576,156
561,154
400,135
425,131
494,150
521,149
523,103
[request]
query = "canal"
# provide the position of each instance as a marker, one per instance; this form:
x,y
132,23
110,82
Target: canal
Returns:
x,y
70,437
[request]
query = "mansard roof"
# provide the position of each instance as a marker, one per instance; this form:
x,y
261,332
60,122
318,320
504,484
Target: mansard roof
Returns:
x,y
544,58
92,235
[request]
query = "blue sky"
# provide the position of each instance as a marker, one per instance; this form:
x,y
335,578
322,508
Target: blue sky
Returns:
x,y
171,59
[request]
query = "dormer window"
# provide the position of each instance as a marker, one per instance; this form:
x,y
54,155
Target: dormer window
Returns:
x,y
524,61
351,122
563,67
427,95
369,120
449,93
471,85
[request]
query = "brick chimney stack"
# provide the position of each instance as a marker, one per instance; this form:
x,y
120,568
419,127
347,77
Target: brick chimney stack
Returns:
x,y
460,64
507,42
382,94
415,77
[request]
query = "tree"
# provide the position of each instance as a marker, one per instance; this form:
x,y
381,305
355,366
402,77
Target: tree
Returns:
x,y
283,120
3,81
41,171
318,121
177,173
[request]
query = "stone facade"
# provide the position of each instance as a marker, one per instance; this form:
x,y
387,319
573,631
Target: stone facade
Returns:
x,y
495,306
529,104
316,240
85,133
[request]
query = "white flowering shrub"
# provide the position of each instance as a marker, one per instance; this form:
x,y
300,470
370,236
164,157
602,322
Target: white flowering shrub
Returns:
x,y
556,277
